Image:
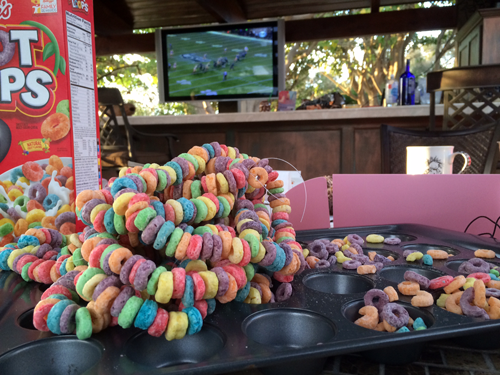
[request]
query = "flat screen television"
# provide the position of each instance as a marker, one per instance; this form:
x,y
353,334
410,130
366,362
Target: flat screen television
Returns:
x,y
221,62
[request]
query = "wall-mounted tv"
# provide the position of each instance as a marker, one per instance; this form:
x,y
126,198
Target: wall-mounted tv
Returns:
x,y
221,62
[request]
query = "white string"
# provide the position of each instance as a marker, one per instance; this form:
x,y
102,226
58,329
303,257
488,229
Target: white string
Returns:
x,y
303,183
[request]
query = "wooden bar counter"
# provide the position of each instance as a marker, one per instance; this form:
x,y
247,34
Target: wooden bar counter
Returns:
x,y
317,142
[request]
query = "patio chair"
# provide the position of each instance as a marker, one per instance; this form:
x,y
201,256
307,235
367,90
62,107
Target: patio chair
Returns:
x,y
480,143
118,150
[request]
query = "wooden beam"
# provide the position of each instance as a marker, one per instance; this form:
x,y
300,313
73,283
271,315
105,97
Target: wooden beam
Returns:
x,y
112,17
224,11
402,21
375,6
122,44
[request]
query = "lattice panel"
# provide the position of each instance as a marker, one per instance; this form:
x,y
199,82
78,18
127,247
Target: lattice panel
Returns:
x,y
110,133
468,108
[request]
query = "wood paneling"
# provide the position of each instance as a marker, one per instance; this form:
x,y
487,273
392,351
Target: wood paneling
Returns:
x,y
367,151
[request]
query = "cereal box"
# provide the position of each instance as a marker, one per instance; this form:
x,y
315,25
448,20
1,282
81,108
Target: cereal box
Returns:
x,y
49,134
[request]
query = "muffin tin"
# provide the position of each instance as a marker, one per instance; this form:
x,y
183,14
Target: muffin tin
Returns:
x,y
292,337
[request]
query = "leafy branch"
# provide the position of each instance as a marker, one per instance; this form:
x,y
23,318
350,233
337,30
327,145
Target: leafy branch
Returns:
x,y
112,72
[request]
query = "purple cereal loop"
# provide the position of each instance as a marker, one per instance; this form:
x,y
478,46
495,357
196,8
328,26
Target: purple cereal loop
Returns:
x,y
351,264
177,191
37,192
67,322
303,262
127,267
244,203
107,241
360,258
14,214
105,264
256,286
112,280
65,217
248,214
276,196
89,233
423,281
219,221
284,292
126,190
183,164
273,298
182,226
248,163
408,252
231,182
348,254
223,280
220,164
318,250
332,248
53,257
216,249
149,234
377,265
42,250
121,300
288,253
354,238
357,247
263,162
62,179
254,193
217,148
43,165
286,224
137,181
323,264
476,265
67,280
332,260
392,241
270,254
195,212
87,209
143,272
268,169
242,168
237,151
395,315
381,259
56,238
466,302
251,225
492,292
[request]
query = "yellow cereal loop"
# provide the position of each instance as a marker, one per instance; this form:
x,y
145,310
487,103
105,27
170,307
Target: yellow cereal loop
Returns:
x,y
179,212
283,208
201,164
14,255
250,189
305,252
213,228
374,238
236,253
222,185
253,232
32,249
211,284
414,256
345,247
35,215
7,184
212,209
122,172
65,208
155,166
70,265
6,221
231,152
260,255
265,222
241,222
171,172
97,209
14,194
165,287
120,204
88,288
253,297
24,180
196,265
469,282
75,240
177,325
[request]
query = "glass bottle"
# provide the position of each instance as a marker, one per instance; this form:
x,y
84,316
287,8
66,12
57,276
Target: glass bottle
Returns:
x,y
407,87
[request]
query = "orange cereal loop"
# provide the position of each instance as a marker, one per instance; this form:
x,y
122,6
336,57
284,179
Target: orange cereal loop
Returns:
x,y
275,184
255,159
259,279
150,182
231,292
186,189
36,233
153,198
258,177
479,294
46,182
380,327
21,227
452,303
264,216
437,254
408,288
492,301
227,241
369,317
49,169
33,205
390,257
6,239
80,268
211,181
88,246
388,327
312,260
72,200
70,184
339,242
266,293
493,284
68,228
280,202
494,312
133,239
192,171
180,251
56,162
103,303
455,285
391,292
366,269
49,222
99,195
210,166
483,253
137,169
137,206
292,267
371,255
199,151
118,258
83,197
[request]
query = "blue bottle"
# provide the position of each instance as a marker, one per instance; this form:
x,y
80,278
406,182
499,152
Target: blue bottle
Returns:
x,y
407,87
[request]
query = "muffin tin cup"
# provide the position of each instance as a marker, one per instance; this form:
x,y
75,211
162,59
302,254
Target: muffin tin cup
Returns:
x,y
292,337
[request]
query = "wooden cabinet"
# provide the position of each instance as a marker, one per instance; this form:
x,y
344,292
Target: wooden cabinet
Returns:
x,y
478,40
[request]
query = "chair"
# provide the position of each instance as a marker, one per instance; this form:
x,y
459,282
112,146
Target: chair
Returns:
x,y
480,143
118,151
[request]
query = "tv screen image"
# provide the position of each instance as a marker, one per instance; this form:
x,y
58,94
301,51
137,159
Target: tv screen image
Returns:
x,y
232,62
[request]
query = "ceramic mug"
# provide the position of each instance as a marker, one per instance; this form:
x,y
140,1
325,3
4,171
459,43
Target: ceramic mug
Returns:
x,y
433,160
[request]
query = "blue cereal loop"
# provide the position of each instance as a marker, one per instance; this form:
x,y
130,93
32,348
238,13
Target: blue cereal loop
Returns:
x,y
163,234
419,325
195,320
109,217
494,277
178,172
277,222
122,183
242,294
160,210
184,263
146,315
50,201
265,232
210,150
140,239
403,329
427,259
242,191
4,256
187,208
62,269
189,229
211,305
54,315
188,297
26,240
16,174
220,212
279,261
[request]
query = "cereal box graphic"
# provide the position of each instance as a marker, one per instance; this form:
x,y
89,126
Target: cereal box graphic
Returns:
x,y
49,135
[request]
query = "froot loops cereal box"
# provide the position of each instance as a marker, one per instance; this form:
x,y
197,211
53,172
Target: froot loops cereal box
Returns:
x,y
49,132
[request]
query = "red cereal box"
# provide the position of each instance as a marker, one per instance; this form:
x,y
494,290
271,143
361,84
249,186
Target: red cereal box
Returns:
x,y
49,132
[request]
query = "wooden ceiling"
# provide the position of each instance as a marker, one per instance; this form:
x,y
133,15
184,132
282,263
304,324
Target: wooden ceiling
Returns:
x,y
118,17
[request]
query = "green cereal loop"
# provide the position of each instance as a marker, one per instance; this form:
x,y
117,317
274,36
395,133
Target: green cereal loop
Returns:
x,y
22,201
86,276
190,158
201,210
281,239
227,207
109,249
129,312
495,272
162,180
24,272
6,229
145,216
105,235
119,223
245,156
65,251
144,185
83,323
249,271
153,281
261,205
35,224
276,191
254,244
78,259
64,241
202,229
175,238
235,161
74,296
196,189
2,199
147,165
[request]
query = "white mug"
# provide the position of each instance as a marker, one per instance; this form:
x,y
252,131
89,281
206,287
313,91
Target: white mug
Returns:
x,y
433,160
